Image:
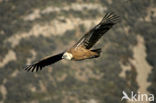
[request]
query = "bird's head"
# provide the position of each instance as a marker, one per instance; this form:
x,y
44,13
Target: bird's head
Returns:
x,y
67,56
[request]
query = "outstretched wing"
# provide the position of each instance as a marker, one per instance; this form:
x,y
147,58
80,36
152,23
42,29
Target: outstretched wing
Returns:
x,y
44,62
90,38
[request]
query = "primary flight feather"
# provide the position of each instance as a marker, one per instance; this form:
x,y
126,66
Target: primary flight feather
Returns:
x,y
82,49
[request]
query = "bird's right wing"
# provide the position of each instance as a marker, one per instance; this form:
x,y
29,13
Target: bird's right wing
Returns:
x,y
44,62
90,38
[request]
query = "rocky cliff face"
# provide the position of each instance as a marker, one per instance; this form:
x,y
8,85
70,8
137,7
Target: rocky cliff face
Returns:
x,y
32,29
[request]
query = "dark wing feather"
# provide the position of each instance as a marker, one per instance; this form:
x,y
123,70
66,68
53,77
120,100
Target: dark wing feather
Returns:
x,y
90,38
44,62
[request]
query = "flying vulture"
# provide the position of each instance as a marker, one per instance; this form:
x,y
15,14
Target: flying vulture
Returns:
x,y
82,49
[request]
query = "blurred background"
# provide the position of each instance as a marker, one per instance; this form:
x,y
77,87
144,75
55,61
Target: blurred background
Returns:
x,y
32,29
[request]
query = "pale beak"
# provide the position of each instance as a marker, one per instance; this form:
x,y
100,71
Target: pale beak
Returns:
x,y
64,56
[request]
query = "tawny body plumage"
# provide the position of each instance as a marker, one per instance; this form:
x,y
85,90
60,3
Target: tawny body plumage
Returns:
x,y
81,53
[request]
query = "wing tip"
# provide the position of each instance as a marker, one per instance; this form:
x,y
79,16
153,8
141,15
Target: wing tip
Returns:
x,y
111,17
32,68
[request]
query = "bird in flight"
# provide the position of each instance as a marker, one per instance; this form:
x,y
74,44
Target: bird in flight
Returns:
x,y
82,49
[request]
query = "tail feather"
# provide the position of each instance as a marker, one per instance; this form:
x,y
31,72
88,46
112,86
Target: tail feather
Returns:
x,y
98,51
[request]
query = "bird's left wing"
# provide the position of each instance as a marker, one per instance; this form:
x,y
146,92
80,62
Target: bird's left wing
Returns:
x,y
44,62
